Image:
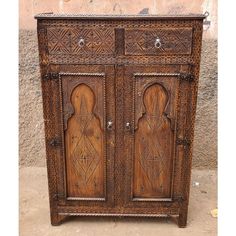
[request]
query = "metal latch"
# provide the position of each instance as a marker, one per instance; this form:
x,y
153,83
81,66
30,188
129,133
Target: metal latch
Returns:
x,y
51,75
186,76
183,142
178,199
58,196
55,142
206,23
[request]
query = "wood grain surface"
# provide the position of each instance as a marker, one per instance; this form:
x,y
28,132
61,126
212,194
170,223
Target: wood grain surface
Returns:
x,y
84,146
153,142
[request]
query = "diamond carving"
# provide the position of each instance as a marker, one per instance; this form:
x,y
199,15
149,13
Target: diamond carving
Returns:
x,y
85,158
85,142
152,144
176,41
151,160
96,41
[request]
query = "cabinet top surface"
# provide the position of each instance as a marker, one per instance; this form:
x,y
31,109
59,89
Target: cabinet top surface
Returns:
x,y
117,17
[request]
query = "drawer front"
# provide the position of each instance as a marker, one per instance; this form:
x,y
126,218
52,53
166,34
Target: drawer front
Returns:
x,y
158,41
80,41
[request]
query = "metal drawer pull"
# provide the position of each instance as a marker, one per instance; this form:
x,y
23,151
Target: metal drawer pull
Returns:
x,y
128,126
81,42
109,125
157,43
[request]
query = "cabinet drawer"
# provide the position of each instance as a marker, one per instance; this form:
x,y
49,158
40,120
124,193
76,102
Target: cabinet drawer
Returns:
x,y
158,41
80,41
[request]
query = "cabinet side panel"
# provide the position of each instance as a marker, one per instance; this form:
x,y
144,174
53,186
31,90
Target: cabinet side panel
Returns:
x,y
191,113
51,121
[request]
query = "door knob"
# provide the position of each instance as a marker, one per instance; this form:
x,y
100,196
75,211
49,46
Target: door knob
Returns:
x,y
109,125
128,126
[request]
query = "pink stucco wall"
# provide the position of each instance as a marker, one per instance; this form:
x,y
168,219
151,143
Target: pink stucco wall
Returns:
x,y
28,8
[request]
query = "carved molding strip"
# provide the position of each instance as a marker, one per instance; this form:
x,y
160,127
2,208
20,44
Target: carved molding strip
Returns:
x,y
156,74
81,74
122,60
182,76
112,214
54,75
85,199
152,199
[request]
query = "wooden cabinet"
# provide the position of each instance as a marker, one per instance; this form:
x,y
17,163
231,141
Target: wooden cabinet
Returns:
x,y
119,99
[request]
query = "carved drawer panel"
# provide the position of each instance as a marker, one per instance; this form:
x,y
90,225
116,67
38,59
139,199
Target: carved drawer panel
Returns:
x,y
158,41
80,41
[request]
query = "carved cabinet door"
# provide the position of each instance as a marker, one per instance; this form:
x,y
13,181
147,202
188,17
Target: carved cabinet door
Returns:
x,y
87,99
153,160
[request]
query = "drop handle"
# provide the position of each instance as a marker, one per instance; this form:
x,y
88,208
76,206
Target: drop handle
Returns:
x,y
109,125
128,126
157,43
81,42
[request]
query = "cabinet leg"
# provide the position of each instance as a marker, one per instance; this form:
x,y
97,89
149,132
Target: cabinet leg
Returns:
x,y
182,220
57,219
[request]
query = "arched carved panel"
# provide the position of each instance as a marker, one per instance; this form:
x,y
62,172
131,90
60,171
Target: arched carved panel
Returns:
x,y
84,143
152,145
141,83
95,81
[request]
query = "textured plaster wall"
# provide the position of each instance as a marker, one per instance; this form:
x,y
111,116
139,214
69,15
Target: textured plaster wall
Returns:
x,y
31,133
31,136
205,141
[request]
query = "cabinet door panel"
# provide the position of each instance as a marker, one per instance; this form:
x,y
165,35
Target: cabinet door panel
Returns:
x,y
85,145
87,105
151,107
153,139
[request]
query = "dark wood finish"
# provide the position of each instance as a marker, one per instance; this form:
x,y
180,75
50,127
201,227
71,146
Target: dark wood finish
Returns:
x,y
119,113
